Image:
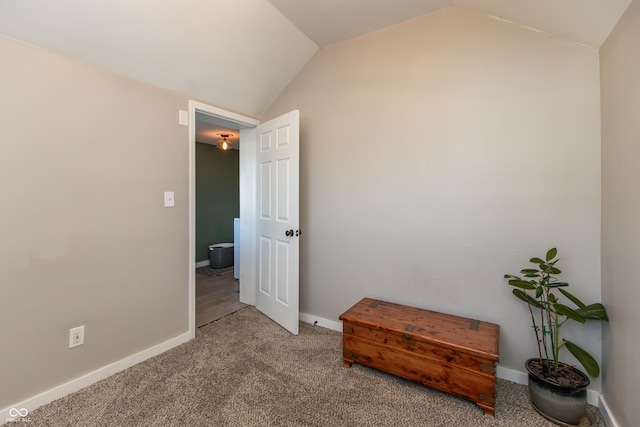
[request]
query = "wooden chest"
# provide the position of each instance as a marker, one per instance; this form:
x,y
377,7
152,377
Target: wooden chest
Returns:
x,y
450,353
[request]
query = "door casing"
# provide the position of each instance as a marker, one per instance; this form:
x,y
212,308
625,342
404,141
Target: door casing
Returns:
x,y
247,203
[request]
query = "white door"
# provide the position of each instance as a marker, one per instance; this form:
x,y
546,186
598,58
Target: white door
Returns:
x,y
278,154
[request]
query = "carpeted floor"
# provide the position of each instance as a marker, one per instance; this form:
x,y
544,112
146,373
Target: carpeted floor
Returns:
x,y
244,370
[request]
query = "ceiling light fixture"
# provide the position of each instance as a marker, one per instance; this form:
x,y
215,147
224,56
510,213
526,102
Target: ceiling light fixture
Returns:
x,y
224,143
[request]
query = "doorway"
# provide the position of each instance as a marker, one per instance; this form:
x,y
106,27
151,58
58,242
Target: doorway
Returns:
x,y
243,126
217,215
269,190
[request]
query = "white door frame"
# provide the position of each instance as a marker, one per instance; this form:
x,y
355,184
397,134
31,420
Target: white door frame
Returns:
x,y
247,204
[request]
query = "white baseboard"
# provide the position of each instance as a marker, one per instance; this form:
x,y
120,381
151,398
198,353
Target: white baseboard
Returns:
x,y
202,263
609,420
320,321
32,403
512,375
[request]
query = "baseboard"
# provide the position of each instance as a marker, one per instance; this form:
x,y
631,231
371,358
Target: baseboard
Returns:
x,y
22,408
512,375
202,263
320,321
609,419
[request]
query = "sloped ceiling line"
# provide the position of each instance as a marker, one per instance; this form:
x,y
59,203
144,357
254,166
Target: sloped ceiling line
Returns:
x,y
330,21
264,43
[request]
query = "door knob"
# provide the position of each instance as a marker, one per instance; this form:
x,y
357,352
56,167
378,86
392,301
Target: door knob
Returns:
x,y
288,233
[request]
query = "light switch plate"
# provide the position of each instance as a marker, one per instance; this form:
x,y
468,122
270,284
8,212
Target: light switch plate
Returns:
x,y
183,117
169,199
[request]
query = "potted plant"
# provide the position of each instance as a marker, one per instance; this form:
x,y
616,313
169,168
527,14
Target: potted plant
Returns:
x,y
557,390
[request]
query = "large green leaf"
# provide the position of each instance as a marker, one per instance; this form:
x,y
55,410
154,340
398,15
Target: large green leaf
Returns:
x,y
584,358
524,284
593,312
551,254
526,298
511,276
557,285
529,271
536,261
550,269
521,294
568,312
572,298
534,302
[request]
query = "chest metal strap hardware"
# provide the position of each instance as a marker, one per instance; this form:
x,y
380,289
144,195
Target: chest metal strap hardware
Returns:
x,y
407,337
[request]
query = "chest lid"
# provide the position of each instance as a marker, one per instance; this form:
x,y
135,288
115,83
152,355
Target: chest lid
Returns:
x,y
448,331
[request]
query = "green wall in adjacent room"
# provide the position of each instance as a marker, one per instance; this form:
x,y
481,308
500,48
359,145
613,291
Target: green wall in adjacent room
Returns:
x,y
217,197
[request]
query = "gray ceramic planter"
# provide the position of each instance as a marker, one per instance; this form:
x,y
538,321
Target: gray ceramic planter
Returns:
x,y
564,404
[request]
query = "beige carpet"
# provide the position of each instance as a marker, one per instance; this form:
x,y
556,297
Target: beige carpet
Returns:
x,y
244,370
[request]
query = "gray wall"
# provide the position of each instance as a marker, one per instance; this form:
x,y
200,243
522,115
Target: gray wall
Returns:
x,y
620,71
439,154
85,157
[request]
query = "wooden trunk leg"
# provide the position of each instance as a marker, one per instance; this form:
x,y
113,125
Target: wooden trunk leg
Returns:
x,y
489,411
347,363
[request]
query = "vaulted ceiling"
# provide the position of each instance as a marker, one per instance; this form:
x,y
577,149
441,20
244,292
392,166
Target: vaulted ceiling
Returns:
x,y
240,54
330,21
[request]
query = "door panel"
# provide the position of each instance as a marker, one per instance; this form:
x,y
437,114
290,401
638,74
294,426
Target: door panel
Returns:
x,y
278,220
265,263
282,281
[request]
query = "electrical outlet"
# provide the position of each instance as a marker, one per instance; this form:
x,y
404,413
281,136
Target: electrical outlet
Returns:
x,y
76,336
